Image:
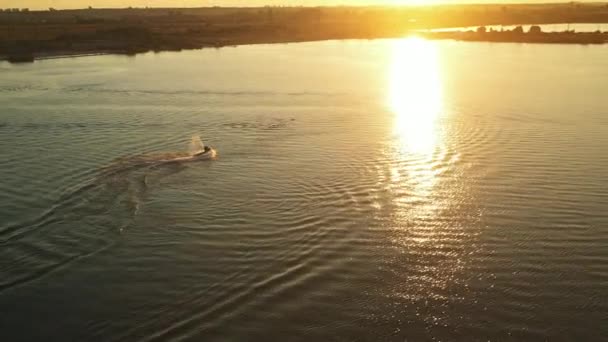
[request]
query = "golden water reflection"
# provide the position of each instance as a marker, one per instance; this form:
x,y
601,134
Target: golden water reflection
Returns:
x,y
415,94
415,99
433,246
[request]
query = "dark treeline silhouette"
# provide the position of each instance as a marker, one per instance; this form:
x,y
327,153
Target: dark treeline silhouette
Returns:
x,y
518,35
26,34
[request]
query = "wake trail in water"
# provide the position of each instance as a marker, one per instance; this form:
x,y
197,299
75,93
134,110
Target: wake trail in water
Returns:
x,y
80,222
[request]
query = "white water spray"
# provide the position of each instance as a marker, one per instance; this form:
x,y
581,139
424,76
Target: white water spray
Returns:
x,y
196,145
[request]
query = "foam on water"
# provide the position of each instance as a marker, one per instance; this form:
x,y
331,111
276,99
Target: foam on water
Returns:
x,y
196,145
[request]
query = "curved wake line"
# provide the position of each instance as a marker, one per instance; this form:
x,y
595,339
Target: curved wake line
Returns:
x,y
112,199
48,270
120,167
22,230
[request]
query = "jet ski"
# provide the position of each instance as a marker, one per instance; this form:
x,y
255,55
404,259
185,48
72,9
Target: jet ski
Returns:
x,y
206,153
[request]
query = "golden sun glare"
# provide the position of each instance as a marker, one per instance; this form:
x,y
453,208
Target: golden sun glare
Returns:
x,y
415,94
415,98
411,2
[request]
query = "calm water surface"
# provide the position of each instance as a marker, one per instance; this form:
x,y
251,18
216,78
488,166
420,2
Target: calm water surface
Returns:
x,y
364,190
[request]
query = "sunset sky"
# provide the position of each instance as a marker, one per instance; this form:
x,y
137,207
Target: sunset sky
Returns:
x,y
203,3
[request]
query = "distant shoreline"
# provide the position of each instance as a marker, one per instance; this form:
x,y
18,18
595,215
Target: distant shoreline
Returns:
x,y
26,36
459,36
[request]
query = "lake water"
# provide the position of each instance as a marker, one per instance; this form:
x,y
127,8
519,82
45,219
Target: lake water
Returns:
x,y
363,190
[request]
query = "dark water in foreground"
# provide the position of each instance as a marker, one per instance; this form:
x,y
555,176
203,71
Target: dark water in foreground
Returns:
x,y
383,190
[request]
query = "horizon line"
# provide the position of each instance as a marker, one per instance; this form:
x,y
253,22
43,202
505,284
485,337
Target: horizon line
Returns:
x,y
380,5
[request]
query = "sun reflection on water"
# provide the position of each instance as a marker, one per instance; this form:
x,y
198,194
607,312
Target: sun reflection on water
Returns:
x,y
415,98
415,94
430,242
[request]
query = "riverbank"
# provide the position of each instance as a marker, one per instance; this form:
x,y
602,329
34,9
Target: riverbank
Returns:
x,y
26,36
519,36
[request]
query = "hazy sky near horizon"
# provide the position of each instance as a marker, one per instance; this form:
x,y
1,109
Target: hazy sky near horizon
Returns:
x,y
38,4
